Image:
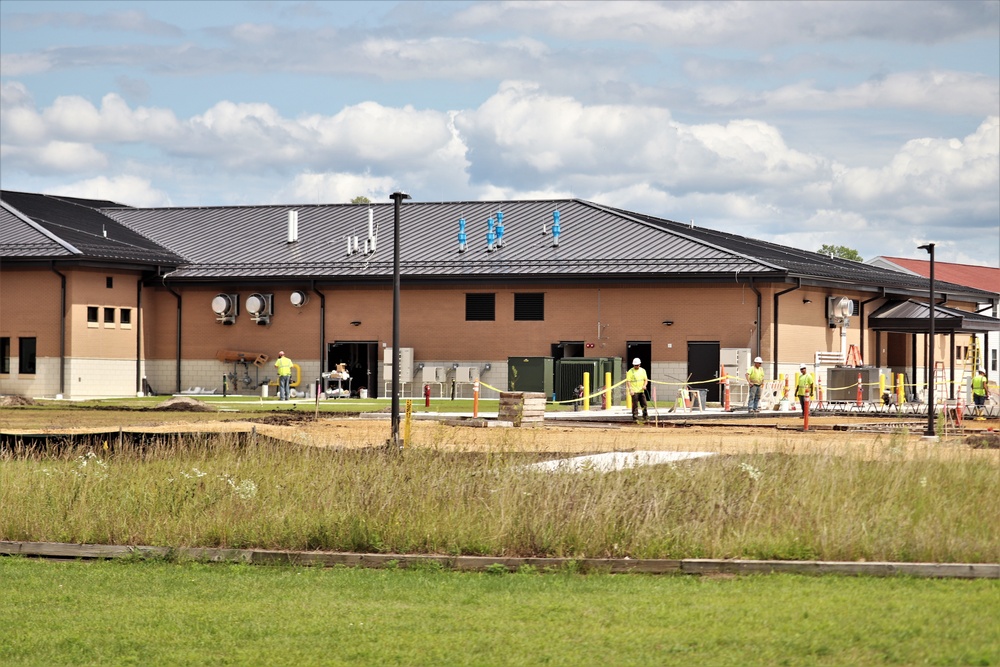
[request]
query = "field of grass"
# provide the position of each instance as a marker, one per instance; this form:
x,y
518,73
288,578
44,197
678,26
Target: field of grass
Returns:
x,y
112,612
224,491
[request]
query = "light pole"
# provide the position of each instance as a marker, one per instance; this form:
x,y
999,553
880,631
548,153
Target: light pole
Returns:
x,y
397,198
930,355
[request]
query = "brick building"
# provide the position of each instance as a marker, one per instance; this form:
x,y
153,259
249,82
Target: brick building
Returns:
x,y
101,299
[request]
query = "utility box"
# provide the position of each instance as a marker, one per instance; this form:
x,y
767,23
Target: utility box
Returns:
x,y
405,364
467,374
842,384
569,376
432,374
737,361
531,374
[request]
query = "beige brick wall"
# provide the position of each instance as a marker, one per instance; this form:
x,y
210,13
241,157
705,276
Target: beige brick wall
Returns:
x,y
44,383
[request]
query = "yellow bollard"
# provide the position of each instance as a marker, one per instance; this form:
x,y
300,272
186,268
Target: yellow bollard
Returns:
x,y
608,402
586,390
881,386
900,394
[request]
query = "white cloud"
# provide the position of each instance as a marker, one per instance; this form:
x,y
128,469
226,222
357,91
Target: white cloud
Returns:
x,y
336,188
123,189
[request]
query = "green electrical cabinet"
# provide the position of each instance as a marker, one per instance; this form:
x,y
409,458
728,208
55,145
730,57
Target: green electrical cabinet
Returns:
x,y
531,374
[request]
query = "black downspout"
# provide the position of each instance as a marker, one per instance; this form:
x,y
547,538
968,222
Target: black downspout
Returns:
x,y
322,330
913,369
759,303
775,351
178,369
62,330
861,318
139,389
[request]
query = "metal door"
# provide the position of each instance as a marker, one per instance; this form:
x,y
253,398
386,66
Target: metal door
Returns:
x,y
703,364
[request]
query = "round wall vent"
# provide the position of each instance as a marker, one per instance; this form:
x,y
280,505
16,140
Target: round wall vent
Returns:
x,y
298,298
221,304
256,304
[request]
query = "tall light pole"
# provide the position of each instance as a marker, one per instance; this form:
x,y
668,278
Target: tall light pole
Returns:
x,y
397,198
930,362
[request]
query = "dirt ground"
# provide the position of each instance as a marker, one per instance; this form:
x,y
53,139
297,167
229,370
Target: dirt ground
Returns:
x,y
729,436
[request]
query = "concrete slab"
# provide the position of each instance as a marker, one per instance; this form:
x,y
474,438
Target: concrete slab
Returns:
x,y
612,461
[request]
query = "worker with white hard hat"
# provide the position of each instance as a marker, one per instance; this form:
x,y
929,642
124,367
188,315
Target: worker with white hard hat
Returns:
x,y
980,392
636,381
804,384
755,378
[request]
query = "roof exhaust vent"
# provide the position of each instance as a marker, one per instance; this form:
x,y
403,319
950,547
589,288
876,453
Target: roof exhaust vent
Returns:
x,y
556,229
499,229
293,226
462,246
491,236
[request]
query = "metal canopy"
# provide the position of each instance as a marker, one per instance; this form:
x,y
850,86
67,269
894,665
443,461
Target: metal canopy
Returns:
x,y
914,317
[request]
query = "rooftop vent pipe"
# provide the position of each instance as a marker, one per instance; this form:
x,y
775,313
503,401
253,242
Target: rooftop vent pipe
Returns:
x,y
499,229
491,236
556,229
461,235
293,226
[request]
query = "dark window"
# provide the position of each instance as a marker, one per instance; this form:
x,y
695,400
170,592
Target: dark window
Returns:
x,y
529,306
480,307
110,282
126,316
92,314
109,315
5,355
26,356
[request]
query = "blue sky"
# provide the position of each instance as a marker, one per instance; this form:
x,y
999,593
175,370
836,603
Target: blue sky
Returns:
x,y
874,125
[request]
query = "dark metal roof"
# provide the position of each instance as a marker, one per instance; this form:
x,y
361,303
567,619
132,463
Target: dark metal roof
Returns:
x,y
81,230
812,266
251,242
913,317
20,238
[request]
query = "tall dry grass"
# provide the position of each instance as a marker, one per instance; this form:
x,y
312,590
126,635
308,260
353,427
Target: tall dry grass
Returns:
x,y
227,492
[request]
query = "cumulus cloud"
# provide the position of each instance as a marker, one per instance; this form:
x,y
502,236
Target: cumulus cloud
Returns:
x,y
124,189
337,188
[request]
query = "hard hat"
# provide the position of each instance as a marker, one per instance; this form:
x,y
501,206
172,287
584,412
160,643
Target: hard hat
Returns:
x,y
803,366
637,361
758,360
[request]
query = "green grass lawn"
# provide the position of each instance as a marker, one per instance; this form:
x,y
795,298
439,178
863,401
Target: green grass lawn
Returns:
x,y
157,613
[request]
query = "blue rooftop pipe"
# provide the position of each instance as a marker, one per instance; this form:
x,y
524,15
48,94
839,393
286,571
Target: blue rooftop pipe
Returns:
x,y
556,230
461,235
499,229
490,235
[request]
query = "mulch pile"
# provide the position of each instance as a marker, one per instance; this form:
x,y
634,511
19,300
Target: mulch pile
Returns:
x,y
184,404
984,440
14,401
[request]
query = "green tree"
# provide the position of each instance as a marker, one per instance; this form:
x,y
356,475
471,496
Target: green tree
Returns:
x,y
841,251
361,199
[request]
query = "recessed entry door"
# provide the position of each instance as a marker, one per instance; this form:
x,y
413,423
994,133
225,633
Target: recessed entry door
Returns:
x,y
703,364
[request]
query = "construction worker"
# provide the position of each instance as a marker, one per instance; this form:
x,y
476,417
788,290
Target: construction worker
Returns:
x,y
755,378
284,366
636,381
980,392
804,384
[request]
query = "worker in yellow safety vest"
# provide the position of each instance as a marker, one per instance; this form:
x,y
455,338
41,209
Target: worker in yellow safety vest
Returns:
x,y
980,392
804,384
636,380
284,366
755,378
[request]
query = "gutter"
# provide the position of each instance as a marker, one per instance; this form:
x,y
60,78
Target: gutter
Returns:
x,y
322,329
757,323
62,328
774,352
178,363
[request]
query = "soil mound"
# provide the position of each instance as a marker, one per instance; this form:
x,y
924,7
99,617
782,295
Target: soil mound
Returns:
x,y
184,404
984,440
14,401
